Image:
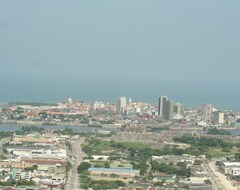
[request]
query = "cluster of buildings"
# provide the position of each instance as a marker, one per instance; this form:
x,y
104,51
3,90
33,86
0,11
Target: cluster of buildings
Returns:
x,y
39,159
166,108
198,179
123,171
124,111
207,115
116,170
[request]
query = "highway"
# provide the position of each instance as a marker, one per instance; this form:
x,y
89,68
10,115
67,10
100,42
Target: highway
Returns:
x,y
73,180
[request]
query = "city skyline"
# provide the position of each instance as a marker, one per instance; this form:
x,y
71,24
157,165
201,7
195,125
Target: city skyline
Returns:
x,y
122,101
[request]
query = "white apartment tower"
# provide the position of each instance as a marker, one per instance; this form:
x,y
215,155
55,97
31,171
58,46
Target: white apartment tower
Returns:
x,y
122,104
207,112
178,108
218,118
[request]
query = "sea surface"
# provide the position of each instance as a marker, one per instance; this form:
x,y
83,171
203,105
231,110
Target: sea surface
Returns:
x,y
54,90
234,131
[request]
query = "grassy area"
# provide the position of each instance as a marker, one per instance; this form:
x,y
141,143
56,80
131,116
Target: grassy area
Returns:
x,y
104,145
109,144
217,152
134,145
114,149
99,146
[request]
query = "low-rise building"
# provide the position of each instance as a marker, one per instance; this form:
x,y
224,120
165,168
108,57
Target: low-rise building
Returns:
x,y
235,171
226,167
175,159
119,172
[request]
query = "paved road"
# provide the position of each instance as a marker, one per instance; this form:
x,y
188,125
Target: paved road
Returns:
x,y
222,179
215,183
73,180
2,142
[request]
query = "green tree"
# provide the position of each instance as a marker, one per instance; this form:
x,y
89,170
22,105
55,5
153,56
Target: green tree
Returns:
x,y
159,183
3,157
238,145
197,162
5,150
237,156
106,165
84,166
207,181
215,131
9,182
142,166
32,168
26,182
68,166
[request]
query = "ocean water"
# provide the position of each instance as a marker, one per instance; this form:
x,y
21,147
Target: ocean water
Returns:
x,y
52,90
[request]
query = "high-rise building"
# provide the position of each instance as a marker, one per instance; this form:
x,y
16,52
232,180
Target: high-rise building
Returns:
x,y
98,105
207,112
218,117
168,112
130,101
162,105
122,104
165,108
178,108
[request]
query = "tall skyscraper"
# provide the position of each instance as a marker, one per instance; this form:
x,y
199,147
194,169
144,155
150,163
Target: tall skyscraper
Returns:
x,y
168,113
207,112
162,105
122,104
178,108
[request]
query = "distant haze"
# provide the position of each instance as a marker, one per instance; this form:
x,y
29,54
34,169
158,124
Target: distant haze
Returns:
x,y
100,50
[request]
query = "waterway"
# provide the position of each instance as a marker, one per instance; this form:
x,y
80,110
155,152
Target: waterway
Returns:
x,y
234,131
15,127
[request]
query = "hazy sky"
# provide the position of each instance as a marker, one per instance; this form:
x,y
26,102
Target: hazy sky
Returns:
x,y
107,47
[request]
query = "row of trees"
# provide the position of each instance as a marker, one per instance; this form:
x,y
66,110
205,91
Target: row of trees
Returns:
x,y
4,134
180,170
215,131
203,144
86,182
11,182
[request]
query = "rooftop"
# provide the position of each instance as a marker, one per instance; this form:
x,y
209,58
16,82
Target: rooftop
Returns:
x,y
114,170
